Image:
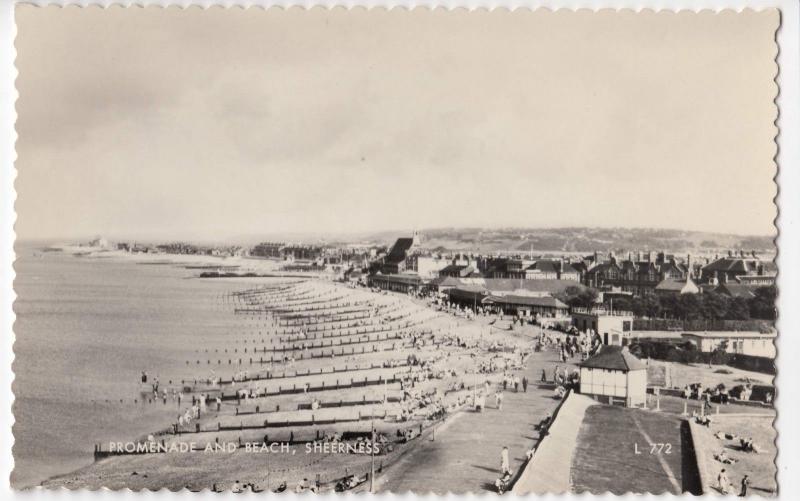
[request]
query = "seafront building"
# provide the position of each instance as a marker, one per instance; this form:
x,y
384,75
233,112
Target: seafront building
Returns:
x,y
754,344
741,268
613,326
614,375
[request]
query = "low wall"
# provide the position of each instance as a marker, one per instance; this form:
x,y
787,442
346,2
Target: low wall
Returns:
x,y
548,471
699,457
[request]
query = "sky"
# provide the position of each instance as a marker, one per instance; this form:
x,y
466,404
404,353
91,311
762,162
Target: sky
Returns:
x,y
192,124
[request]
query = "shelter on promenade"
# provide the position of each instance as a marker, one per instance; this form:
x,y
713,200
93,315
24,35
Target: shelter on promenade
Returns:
x,y
526,306
614,376
395,282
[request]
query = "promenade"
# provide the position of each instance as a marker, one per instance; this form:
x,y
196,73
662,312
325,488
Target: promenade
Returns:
x,y
464,454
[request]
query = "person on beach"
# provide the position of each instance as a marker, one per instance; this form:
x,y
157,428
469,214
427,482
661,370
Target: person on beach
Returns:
x,y
723,483
504,464
745,483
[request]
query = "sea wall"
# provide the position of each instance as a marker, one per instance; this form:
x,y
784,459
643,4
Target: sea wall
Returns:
x,y
548,471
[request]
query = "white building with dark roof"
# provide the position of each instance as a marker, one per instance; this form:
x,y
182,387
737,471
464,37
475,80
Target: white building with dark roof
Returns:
x,y
746,343
614,376
613,326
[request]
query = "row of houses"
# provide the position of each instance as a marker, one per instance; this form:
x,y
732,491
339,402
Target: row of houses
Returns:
x,y
281,250
641,273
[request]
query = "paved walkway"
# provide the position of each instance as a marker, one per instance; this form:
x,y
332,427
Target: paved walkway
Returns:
x,y
549,470
464,455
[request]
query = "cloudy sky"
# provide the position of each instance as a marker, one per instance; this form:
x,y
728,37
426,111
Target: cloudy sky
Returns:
x,y
220,123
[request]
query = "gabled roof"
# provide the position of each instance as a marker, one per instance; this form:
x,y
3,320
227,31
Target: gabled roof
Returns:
x,y
569,268
731,264
580,266
646,266
745,291
399,249
602,267
544,266
445,282
616,358
672,285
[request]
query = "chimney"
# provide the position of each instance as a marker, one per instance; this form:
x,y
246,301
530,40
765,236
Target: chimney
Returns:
x,y
755,256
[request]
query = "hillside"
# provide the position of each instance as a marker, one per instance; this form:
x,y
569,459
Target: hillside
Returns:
x,y
584,240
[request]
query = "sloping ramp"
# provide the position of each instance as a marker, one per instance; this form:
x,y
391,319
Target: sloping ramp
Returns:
x,y
549,470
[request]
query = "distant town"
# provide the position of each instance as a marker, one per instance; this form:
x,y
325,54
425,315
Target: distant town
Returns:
x,y
707,288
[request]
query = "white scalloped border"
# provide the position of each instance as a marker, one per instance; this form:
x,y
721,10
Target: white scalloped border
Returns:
x,y
787,198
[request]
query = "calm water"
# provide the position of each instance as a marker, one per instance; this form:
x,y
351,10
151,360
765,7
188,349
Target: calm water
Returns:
x,y
85,330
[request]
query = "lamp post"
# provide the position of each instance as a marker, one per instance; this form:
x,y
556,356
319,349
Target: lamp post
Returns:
x,y
372,452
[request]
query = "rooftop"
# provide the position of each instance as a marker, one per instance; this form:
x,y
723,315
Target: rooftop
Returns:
x,y
614,358
731,334
547,301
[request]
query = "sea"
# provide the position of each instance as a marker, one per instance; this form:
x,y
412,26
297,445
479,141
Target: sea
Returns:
x,y
85,329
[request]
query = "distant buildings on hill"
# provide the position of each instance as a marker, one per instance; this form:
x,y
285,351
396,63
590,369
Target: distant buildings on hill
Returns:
x,y
638,274
408,264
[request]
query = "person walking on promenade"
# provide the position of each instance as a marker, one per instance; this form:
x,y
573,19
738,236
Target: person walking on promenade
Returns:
x,y
745,484
516,384
723,484
504,465
525,384
544,375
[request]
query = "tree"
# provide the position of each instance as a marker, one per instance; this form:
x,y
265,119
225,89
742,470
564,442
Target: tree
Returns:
x,y
738,309
762,306
574,296
715,306
670,307
689,307
650,305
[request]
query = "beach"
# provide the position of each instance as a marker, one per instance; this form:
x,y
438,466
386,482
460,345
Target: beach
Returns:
x,y
85,329
125,316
